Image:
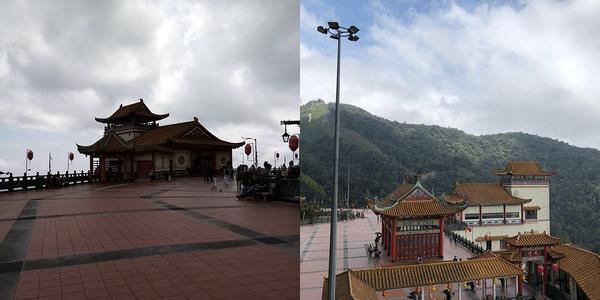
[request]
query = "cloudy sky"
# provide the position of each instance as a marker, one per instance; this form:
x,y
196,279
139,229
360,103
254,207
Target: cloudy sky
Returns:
x,y
233,64
479,66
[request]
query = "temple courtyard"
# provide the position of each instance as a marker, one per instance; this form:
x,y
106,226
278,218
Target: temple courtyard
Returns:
x,y
353,238
164,240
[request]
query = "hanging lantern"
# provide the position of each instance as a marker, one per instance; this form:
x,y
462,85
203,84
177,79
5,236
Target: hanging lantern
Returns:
x,y
29,154
507,246
470,228
296,155
277,155
478,282
540,270
554,268
465,284
71,156
248,149
418,290
449,286
293,143
487,237
384,294
523,277
433,287
495,281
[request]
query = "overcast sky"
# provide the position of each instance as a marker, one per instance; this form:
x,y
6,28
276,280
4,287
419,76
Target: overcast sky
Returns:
x,y
232,64
479,66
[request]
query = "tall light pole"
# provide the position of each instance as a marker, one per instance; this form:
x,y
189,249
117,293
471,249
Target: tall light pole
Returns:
x,y
348,194
255,151
336,32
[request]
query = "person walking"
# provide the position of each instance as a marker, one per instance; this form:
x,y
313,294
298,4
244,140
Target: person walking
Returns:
x,y
226,173
151,175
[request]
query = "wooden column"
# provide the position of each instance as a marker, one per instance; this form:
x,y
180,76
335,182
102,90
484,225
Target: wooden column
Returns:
x,y
91,171
520,277
102,170
480,221
504,206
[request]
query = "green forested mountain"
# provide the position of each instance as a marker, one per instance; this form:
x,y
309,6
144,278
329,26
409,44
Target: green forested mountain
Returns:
x,y
382,151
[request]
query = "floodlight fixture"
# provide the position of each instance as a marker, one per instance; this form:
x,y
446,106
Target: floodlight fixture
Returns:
x,y
353,38
353,29
333,36
333,25
321,30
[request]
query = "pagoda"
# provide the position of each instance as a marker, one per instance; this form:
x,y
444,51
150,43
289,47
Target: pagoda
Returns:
x,y
413,220
134,143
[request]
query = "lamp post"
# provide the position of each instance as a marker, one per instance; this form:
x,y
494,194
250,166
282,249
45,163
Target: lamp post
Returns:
x,y
348,194
286,136
242,158
255,150
336,32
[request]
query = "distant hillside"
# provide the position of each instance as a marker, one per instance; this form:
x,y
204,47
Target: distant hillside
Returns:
x,y
382,151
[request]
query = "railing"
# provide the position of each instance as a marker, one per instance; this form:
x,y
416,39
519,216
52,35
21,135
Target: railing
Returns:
x,y
37,181
458,239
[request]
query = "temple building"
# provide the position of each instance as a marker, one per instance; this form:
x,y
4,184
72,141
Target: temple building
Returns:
x,y
520,202
413,220
134,143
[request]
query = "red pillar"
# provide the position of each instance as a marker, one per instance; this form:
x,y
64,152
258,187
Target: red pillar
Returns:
x,y
393,244
102,171
520,292
441,255
504,206
545,269
480,222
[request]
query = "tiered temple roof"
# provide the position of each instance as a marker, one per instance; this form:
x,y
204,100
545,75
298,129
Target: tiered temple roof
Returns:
x,y
136,111
412,200
511,256
486,194
523,169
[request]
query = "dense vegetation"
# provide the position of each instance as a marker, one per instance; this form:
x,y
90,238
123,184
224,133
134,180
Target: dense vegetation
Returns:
x,y
382,151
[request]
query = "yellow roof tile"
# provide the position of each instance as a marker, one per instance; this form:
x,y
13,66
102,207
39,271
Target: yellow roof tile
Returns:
x,y
583,266
523,168
532,239
487,194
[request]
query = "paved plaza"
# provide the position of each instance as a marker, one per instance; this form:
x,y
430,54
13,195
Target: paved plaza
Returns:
x,y
166,240
353,236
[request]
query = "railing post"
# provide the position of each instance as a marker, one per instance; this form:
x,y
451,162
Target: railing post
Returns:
x,y
25,181
38,181
10,183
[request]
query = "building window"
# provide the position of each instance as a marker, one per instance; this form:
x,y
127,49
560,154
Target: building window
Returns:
x,y
471,216
530,214
492,216
512,214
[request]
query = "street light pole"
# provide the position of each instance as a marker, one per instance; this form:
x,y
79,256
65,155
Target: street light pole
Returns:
x,y
255,150
348,194
337,33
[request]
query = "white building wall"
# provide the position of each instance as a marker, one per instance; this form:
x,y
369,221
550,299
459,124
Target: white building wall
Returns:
x,y
539,193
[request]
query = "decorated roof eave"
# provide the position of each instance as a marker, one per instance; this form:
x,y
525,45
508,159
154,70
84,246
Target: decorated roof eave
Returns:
x,y
213,143
506,171
519,200
393,202
100,146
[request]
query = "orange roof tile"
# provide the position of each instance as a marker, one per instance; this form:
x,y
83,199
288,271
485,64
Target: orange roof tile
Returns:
x,y
138,111
349,287
436,273
553,254
531,207
510,256
109,143
188,133
532,239
583,266
412,200
486,194
523,168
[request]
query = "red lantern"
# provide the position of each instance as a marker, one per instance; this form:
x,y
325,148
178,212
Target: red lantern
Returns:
x,y
248,149
384,293
554,268
449,286
293,143
418,290
29,154
296,155
478,282
507,246
470,228
277,155
71,156
487,237
540,270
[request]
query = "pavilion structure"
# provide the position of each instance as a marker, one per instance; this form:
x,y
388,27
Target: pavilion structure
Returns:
x,y
133,144
365,283
413,220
